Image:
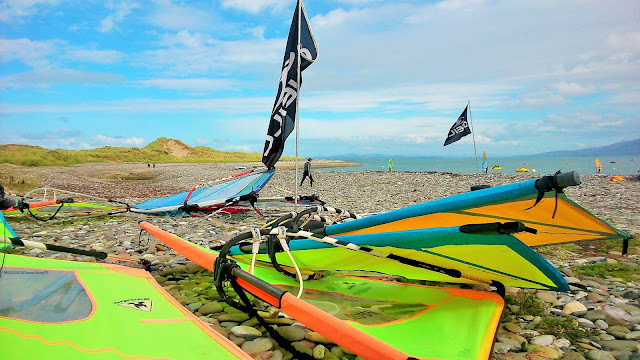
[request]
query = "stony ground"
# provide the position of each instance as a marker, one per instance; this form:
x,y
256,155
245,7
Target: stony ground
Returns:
x,y
598,319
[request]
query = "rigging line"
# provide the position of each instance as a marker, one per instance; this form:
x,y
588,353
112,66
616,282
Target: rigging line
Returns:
x,y
338,243
255,248
50,218
55,195
282,237
371,251
473,135
565,233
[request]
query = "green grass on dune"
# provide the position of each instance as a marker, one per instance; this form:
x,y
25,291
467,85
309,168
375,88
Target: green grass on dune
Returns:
x,y
155,152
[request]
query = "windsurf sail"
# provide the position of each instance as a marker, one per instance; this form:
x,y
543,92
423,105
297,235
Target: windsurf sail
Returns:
x,y
74,310
6,233
8,237
71,310
485,163
473,254
211,197
598,166
49,203
455,239
538,203
366,314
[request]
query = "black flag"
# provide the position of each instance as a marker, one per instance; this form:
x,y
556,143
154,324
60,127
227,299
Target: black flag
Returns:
x,y
284,110
459,129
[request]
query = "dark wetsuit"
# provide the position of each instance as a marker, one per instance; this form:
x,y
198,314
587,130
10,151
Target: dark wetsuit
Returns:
x,y
307,172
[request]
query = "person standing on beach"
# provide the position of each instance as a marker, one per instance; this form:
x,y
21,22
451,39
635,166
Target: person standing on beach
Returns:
x,y
390,167
307,172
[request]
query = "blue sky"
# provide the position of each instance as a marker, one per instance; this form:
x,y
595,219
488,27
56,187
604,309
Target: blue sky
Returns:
x,y
391,77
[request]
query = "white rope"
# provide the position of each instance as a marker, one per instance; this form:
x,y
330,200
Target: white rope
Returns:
x,y
254,249
282,237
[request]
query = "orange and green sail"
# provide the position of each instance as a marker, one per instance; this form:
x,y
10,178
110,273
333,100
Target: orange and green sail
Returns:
x,y
556,218
50,203
372,317
73,310
70,310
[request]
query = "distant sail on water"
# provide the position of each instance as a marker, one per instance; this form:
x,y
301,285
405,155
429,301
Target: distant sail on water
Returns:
x,y
485,163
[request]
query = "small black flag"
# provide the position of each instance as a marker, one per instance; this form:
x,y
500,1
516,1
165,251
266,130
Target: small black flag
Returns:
x,y
284,110
459,129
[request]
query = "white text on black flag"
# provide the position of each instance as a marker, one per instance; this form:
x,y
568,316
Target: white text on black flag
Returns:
x,y
283,115
459,129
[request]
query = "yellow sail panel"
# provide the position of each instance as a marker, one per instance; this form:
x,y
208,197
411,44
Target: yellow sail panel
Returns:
x,y
571,223
484,262
479,258
340,259
568,216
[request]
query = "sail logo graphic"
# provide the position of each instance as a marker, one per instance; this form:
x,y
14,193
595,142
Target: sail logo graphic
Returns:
x,y
459,127
288,93
144,304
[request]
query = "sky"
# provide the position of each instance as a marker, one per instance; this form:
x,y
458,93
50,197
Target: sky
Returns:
x,y
391,77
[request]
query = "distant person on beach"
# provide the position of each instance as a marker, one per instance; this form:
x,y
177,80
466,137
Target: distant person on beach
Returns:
x,y
307,172
390,167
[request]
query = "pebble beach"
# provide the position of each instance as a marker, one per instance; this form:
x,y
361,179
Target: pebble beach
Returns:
x,y
599,319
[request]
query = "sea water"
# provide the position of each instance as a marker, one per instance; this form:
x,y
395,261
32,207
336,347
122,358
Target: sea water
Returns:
x,y
611,165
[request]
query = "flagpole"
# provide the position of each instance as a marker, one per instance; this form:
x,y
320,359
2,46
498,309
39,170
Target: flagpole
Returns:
x,y
297,122
472,134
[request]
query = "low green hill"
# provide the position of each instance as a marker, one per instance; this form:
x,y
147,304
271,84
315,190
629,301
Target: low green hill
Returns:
x,y
162,150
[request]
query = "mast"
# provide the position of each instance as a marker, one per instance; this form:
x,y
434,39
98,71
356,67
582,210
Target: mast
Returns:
x,y
472,134
297,123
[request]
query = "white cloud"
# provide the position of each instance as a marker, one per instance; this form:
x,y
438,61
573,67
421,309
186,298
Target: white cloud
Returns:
x,y
118,141
572,89
15,10
47,77
41,55
582,121
539,100
333,18
255,6
239,105
170,16
625,43
202,141
196,85
242,148
95,56
489,41
359,2
120,11
187,53
64,138
28,52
